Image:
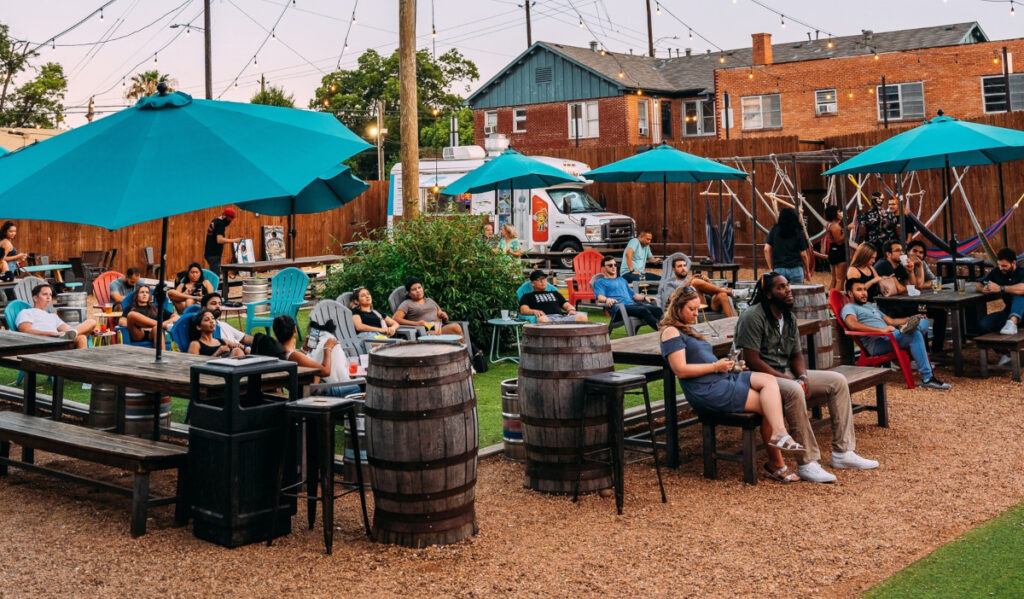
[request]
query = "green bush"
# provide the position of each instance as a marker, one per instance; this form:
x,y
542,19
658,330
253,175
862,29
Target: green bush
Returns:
x,y
458,269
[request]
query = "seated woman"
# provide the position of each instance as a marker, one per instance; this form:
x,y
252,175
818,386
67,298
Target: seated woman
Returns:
x,y
862,269
712,386
142,314
285,330
369,322
191,289
203,343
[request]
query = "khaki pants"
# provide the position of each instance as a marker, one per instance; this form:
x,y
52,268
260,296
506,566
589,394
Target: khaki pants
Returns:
x,y
833,387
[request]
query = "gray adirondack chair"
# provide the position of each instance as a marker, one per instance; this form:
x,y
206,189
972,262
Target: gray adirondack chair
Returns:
x,y
398,296
344,330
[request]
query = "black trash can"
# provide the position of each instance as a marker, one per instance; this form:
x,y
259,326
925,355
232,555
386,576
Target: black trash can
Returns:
x,y
236,442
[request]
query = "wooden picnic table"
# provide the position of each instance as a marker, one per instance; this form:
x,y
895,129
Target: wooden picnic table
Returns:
x,y
130,366
949,300
645,350
268,265
44,268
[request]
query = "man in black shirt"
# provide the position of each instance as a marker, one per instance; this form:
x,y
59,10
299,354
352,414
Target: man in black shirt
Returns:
x,y
216,238
1008,279
906,271
545,304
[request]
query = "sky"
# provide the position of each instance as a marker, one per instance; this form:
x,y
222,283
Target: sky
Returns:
x,y
296,43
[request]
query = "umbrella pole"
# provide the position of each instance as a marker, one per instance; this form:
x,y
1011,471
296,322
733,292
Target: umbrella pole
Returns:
x,y
1002,201
664,215
693,229
161,295
953,250
903,216
291,230
753,213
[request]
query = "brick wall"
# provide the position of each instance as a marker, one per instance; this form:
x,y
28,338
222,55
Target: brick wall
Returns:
x,y
951,78
547,125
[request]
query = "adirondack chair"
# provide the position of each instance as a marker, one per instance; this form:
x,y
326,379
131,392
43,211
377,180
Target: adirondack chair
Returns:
x,y
287,294
836,301
617,316
23,290
151,265
101,287
525,288
11,313
667,275
585,265
345,299
398,296
212,277
344,329
181,333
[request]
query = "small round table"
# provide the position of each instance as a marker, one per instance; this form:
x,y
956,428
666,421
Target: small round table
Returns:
x,y
497,324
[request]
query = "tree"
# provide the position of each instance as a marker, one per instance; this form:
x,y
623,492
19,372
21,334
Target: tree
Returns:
x,y
434,134
144,84
352,95
274,96
37,102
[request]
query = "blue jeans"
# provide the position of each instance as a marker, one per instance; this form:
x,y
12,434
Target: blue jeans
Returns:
x,y
633,277
795,276
914,342
991,323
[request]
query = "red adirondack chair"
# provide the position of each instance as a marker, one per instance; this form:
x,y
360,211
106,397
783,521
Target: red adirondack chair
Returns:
x,y
101,287
585,265
836,300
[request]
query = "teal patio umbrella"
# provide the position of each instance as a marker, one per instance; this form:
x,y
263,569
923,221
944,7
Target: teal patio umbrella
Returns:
x,y
941,142
664,164
167,155
510,168
332,189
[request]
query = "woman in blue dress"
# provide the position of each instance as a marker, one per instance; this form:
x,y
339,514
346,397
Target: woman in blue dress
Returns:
x,y
711,385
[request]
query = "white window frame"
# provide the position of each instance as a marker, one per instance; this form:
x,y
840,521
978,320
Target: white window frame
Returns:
x,y
747,104
643,117
703,118
826,101
588,121
902,116
490,122
1016,80
518,124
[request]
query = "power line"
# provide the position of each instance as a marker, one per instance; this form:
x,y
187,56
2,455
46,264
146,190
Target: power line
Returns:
x,y
274,35
782,18
53,39
263,43
347,32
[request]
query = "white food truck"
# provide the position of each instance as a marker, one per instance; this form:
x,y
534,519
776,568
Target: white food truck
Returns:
x,y
558,219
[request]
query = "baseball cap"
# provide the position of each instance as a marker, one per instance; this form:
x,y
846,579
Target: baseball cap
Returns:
x,y
230,213
538,274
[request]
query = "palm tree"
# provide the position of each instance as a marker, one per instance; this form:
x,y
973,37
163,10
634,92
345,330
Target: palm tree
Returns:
x,y
144,84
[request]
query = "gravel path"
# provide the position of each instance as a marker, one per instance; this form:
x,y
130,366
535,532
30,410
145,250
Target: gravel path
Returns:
x,y
950,461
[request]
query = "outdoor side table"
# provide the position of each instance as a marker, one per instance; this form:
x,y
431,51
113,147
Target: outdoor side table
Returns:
x,y
496,326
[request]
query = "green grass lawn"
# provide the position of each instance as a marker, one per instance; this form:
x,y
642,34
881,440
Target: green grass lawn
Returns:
x,y
986,562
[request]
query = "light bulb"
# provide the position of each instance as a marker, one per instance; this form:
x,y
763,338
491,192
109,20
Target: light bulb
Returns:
x,y
658,4
273,34
691,34
871,90
154,59
53,45
750,75
188,30
876,56
721,59
621,74
353,18
101,13
830,44
433,31
783,21
850,95
581,23
254,61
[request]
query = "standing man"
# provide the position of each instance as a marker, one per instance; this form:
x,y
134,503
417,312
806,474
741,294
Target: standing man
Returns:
x,y
636,257
216,238
613,289
775,350
877,225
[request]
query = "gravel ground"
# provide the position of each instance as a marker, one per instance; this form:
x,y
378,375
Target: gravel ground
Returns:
x,y
950,461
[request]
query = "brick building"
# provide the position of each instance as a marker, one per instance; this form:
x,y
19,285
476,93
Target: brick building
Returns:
x,y
555,95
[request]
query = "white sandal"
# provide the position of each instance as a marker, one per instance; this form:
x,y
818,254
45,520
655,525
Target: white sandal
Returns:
x,y
786,444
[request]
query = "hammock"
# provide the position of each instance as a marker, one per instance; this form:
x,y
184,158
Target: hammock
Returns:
x,y
942,247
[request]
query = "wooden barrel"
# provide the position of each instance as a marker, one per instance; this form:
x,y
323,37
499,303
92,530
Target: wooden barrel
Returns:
x,y
810,301
511,427
255,290
71,316
421,439
138,410
553,363
349,458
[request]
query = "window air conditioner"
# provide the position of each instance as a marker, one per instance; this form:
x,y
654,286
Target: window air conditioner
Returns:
x,y
644,131
489,129
826,108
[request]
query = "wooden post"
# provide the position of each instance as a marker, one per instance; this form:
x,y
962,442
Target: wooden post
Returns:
x,y
410,153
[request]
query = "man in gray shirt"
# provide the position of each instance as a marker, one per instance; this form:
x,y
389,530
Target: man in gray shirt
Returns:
x,y
121,287
770,339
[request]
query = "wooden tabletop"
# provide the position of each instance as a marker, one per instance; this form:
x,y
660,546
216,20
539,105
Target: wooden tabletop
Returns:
x,y
946,298
13,343
646,349
265,265
133,366
44,267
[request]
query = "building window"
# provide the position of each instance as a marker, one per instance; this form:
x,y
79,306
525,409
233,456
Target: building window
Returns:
x,y
825,101
490,122
643,119
901,101
993,92
699,118
583,119
519,120
666,118
762,112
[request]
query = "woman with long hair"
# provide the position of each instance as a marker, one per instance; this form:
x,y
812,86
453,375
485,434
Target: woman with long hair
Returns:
x,y
369,322
191,288
786,249
836,236
204,323
509,243
712,385
862,269
9,255
142,316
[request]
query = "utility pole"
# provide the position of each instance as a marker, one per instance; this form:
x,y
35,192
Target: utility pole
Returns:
x,y
410,153
650,31
263,83
380,140
885,103
207,44
529,35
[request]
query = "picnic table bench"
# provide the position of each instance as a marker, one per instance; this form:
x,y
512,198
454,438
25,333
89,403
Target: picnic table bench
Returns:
x,y
139,456
1010,343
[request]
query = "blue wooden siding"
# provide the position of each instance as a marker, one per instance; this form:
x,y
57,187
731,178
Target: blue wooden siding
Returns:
x,y
515,86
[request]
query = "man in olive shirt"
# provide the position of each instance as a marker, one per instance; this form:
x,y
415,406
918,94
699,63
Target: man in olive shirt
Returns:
x,y
768,335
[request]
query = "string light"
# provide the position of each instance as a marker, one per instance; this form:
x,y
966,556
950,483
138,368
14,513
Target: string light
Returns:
x,y
188,30
721,58
750,75
877,57
658,4
254,61
581,23
273,34
53,45
830,44
1012,10
154,58
691,33
433,31
782,20
621,74
101,13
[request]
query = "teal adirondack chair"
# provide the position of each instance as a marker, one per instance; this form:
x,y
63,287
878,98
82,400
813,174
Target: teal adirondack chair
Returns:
x,y
212,277
11,315
287,294
525,288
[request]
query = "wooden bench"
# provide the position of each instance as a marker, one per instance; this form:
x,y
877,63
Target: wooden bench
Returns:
x,y
140,456
1010,343
859,378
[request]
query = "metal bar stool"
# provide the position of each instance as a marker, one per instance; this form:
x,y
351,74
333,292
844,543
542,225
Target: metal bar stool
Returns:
x,y
612,387
321,414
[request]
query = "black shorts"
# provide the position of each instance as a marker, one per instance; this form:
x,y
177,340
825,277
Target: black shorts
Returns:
x,y
836,254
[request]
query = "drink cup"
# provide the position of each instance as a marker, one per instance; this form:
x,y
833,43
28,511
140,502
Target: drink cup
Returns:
x,y
504,314
353,366
108,308
903,259
937,287
364,361
961,286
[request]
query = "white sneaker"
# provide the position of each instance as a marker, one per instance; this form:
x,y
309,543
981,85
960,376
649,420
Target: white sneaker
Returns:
x,y
814,473
852,461
1004,360
1010,328
70,334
